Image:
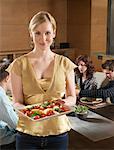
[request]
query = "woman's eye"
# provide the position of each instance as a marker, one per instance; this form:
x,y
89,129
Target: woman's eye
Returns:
x,y
47,33
37,33
81,65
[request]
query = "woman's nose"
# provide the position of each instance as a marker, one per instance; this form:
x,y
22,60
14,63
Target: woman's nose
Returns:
x,y
79,66
43,37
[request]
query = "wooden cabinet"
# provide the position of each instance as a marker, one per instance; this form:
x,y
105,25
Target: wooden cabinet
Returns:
x,y
13,54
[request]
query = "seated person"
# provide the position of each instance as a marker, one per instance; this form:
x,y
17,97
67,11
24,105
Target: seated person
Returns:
x,y
8,117
107,91
84,73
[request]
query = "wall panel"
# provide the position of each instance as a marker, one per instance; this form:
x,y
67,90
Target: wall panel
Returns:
x,y
15,16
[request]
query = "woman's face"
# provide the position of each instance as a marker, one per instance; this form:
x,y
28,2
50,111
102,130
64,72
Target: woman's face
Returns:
x,y
43,36
82,67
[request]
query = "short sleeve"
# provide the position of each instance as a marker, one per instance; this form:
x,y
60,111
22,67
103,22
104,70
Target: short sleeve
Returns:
x,y
68,65
15,67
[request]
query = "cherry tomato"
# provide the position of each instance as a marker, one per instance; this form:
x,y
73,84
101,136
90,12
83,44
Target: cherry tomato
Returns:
x,y
30,113
50,106
27,112
43,115
36,117
24,111
41,108
65,108
50,112
36,107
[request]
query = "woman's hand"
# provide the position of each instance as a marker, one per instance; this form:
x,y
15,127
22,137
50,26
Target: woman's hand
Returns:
x,y
18,105
70,101
77,92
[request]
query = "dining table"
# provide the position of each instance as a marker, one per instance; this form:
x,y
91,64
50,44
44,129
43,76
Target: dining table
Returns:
x,y
95,132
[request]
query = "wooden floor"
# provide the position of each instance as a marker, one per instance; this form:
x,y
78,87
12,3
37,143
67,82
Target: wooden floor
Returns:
x,y
80,142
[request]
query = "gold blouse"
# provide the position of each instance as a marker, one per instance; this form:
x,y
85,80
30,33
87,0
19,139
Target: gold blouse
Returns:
x,y
44,83
37,91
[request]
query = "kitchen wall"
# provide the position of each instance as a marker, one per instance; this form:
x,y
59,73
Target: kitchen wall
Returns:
x,y
98,42
82,23
15,16
79,25
87,27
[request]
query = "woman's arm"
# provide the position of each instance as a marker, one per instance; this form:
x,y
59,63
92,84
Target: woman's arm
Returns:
x,y
16,90
70,89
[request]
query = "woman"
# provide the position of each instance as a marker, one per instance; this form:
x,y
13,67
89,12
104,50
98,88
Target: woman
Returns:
x,y
39,76
84,73
8,117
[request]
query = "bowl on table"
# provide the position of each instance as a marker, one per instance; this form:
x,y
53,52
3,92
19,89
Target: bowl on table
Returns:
x,y
81,111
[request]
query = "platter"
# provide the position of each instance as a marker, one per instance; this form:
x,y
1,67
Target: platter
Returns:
x,y
89,101
46,110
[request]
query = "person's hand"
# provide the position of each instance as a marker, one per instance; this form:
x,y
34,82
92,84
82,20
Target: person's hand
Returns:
x,y
108,101
18,106
77,92
70,101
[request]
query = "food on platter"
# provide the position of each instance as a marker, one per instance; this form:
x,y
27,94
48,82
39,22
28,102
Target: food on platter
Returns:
x,y
89,100
45,110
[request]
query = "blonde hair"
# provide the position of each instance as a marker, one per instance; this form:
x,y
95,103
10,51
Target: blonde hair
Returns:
x,y
41,17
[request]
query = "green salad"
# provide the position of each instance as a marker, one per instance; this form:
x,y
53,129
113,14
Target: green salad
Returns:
x,y
81,109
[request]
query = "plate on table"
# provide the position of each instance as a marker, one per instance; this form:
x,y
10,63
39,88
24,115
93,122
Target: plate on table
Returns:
x,y
90,101
46,110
